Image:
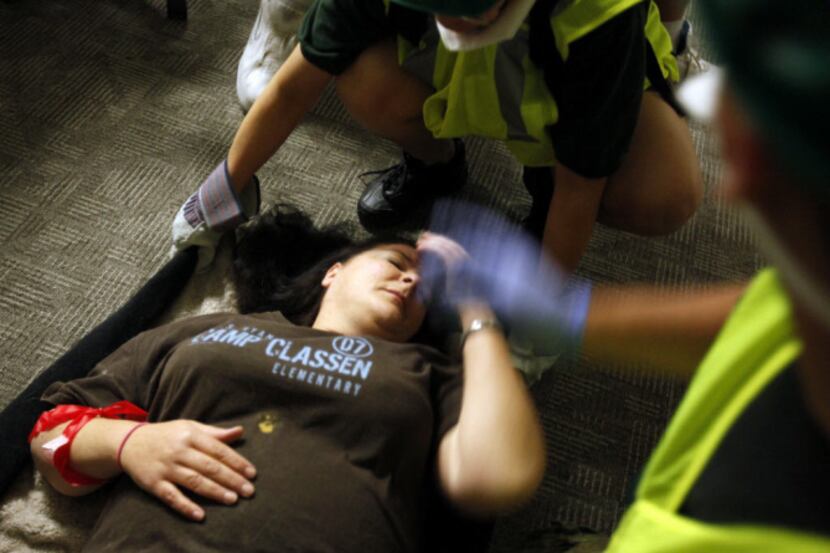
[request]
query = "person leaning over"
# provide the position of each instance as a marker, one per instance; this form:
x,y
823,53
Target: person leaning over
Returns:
x,y
743,464
576,89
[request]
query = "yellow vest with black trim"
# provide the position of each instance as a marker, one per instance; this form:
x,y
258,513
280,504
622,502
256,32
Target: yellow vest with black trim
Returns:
x,y
471,100
756,344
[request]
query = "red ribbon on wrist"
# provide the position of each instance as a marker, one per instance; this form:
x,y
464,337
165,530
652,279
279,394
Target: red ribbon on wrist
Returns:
x,y
79,415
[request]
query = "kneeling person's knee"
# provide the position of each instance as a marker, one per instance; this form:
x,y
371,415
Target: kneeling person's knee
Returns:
x,y
669,214
655,213
377,92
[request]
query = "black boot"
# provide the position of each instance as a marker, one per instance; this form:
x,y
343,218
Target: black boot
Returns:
x,y
398,190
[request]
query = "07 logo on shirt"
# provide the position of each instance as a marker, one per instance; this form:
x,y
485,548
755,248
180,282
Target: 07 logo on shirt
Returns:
x,y
354,346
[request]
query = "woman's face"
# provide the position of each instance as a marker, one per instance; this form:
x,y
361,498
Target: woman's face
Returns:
x,y
374,293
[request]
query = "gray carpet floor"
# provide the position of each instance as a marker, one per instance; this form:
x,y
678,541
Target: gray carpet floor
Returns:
x,y
110,115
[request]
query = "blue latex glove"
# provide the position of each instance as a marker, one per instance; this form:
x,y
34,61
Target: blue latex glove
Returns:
x,y
211,211
534,299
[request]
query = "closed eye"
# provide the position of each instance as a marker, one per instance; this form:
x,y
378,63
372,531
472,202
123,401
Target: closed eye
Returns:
x,y
396,261
399,260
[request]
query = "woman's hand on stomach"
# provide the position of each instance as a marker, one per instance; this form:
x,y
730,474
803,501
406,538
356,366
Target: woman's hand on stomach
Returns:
x,y
164,457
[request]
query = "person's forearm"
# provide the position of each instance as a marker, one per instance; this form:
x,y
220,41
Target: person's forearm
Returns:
x,y
93,453
668,331
571,216
500,450
290,94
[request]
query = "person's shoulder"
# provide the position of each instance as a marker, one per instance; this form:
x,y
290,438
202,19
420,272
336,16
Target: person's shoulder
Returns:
x,y
206,320
265,321
180,328
233,323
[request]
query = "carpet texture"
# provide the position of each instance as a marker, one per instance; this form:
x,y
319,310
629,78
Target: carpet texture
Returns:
x,y
111,115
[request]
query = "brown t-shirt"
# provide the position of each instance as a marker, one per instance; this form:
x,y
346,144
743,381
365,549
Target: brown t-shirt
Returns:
x,y
340,428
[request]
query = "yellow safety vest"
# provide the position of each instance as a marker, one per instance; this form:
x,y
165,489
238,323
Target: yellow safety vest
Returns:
x,y
471,100
756,344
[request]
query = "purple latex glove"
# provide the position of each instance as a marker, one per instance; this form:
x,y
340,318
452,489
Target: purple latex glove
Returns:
x,y
502,266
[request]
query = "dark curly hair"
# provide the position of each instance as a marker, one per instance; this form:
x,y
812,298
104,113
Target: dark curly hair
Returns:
x,y
280,259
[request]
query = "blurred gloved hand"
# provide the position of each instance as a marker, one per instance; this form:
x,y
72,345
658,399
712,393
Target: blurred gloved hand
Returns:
x,y
212,210
543,310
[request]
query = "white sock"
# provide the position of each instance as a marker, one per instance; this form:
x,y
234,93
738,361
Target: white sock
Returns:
x,y
674,28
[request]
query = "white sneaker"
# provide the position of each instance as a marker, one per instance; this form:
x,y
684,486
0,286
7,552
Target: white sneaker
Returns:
x,y
689,60
272,39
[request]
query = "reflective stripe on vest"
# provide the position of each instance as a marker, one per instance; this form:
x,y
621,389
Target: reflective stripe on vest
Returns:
x,y
497,92
755,345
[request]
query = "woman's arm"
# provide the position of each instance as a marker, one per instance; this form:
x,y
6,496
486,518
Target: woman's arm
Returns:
x,y
292,92
494,458
669,331
159,457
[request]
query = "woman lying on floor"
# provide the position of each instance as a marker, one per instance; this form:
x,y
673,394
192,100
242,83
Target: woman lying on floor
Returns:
x,y
308,422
